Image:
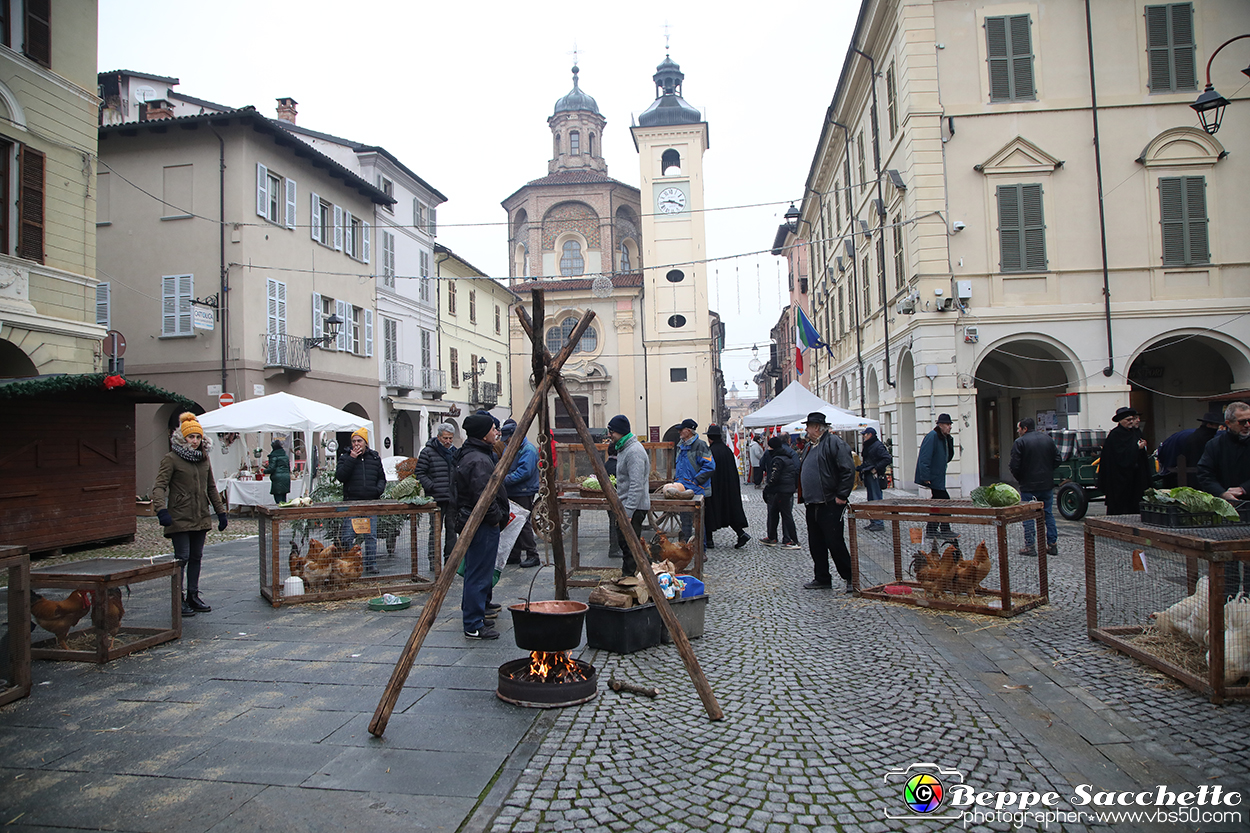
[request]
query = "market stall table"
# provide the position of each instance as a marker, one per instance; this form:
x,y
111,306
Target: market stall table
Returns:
x,y
1135,570
254,492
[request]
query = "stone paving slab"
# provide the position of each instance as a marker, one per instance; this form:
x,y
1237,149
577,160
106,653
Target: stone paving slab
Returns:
x,y
322,811
378,767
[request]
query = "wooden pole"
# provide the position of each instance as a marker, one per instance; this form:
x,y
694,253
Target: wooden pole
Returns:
x,y
403,666
539,359
643,560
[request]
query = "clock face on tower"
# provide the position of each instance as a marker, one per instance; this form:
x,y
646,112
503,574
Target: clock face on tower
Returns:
x,y
671,201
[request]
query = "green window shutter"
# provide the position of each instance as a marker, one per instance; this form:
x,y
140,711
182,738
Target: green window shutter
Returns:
x,y
1034,228
1196,219
1184,73
1183,217
1010,244
1021,58
1000,65
1170,47
1009,48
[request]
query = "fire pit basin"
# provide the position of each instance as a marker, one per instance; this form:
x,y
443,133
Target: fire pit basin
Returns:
x,y
548,625
536,694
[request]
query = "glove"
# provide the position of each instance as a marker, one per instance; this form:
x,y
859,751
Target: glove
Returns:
x,y
164,517
221,521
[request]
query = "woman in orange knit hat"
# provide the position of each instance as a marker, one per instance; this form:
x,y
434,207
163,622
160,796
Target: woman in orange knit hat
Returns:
x,y
185,498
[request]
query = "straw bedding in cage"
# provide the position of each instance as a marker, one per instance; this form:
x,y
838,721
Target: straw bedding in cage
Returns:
x,y
1173,648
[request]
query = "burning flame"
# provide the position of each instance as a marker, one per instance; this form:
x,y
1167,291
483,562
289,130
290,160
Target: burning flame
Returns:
x,y
551,667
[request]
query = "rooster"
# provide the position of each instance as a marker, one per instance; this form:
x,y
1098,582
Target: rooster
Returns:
x,y
937,573
970,574
295,561
114,610
59,618
319,563
349,567
679,555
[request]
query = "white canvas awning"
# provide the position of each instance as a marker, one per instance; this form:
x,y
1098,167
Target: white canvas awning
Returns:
x,y
281,412
790,409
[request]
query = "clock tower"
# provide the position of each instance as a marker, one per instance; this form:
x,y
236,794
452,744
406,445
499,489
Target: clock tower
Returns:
x,y
671,137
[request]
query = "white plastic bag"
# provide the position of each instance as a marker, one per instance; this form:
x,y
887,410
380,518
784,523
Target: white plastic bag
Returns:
x,y
507,536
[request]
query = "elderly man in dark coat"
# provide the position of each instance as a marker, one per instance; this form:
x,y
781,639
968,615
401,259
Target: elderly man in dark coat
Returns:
x,y
435,470
724,505
1224,471
1124,468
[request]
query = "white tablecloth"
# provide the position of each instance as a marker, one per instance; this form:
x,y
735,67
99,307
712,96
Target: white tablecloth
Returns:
x,y
255,492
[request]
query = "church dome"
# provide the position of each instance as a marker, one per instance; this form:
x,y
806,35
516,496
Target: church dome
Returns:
x,y
576,100
669,107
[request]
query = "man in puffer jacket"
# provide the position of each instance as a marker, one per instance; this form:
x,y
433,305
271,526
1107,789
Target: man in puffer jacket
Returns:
x,y
435,471
783,478
694,471
473,472
522,484
363,478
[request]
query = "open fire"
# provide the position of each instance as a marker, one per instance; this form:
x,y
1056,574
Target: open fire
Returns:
x,y
547,680
550,667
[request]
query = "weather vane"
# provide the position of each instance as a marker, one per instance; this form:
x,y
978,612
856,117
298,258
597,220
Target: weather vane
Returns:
x,y
666,28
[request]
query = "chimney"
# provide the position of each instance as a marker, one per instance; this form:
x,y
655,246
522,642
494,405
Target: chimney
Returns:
x,y
156,109
286,109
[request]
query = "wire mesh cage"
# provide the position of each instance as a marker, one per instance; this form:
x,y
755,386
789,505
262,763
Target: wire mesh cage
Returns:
x,y
951,555
1177,600
15,633
573,462
104,608
591,543
348,550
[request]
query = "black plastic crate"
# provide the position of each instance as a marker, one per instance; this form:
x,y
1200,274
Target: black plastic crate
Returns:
x,y
1178,517
623,630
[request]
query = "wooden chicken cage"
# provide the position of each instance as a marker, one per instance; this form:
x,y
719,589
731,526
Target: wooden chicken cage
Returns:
x,y
15,656
1135,571
403,550
884,565
130,608
573,463
665,514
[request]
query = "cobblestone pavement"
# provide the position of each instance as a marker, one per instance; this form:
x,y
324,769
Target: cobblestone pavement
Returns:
x,y
824,694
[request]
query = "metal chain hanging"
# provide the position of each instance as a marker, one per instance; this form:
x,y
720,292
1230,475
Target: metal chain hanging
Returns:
x,y
540,516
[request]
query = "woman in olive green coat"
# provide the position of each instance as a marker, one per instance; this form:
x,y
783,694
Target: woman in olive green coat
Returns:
x,y
279,470
185,498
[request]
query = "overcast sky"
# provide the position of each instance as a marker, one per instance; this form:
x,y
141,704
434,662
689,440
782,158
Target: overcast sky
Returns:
x,y
461,91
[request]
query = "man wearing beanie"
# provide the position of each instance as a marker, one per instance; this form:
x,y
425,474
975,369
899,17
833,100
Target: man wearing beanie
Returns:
x,y
783,478
363,477
633,473
522,485
473,472
694,471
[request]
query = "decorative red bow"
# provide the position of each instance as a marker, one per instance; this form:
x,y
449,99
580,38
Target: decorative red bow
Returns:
x,y
111,382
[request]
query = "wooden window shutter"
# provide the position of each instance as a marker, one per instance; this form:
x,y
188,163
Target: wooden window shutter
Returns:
x,y
891,97
1010,245
1157,49
1021,57
1034,228
39,31
314,217
31,205
262,190
343,311
364,241
1184,73
1000,64
1170,47
1196,219
1183,217
338,229
169,305
318,328
368,332
102,311
433,222
290,203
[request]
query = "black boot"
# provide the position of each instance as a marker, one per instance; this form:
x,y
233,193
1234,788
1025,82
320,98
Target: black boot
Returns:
x,y
187,610
196,603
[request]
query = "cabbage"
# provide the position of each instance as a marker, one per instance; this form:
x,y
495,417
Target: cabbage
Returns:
x,y
1194,501
998,495
591,482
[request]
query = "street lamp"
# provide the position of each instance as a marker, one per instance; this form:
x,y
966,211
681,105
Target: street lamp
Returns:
x,y
331,327
478,369
1210,105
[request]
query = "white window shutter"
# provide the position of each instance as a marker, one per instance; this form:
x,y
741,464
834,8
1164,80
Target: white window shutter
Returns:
x,y
262,190
418,219
338,229
186,291
349,239
368,332
169,305
318,329
342,310
314,217
103,315
433,222
290,203
364,241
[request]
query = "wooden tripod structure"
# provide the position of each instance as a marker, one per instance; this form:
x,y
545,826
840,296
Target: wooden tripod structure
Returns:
x,y
547,375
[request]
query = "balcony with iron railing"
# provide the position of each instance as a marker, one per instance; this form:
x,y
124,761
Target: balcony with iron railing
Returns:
x,y
398,375
433,382
484,394
286,351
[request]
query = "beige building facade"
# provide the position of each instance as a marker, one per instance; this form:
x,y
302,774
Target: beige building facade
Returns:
x,y
50,321
964,270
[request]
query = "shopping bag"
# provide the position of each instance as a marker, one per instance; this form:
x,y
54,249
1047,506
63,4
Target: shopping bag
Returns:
x,y
517,516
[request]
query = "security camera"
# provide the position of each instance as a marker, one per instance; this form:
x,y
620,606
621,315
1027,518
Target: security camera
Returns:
x,y
959,226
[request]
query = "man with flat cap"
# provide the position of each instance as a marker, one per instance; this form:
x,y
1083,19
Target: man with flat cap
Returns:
x,y
936,451
694,471
1124,467
473,472
633,481
826,477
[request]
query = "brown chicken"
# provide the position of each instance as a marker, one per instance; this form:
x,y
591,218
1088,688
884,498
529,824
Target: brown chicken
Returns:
x,y
295,561
679,555
937,573
970,574
114,610
59,618
319,564
349,567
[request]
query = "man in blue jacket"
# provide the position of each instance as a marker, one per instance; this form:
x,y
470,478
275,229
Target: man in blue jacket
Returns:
x,y
522,485
936,451
694,471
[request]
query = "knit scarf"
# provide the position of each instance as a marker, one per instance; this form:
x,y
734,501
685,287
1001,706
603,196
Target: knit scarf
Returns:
x,y
621,442
191,455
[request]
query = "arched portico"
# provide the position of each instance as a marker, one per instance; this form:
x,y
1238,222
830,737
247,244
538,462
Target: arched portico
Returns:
x,y
1175,377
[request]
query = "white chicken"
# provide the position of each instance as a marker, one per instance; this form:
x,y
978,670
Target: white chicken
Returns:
x,y
1189,616
1236,639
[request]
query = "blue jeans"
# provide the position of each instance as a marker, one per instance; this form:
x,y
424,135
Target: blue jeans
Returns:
x,y
873,484
348,537
1047,497
479,572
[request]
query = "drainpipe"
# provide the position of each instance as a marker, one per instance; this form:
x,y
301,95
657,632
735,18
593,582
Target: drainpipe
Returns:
x,y
438,306
224,289
876,167
1102,217
859,335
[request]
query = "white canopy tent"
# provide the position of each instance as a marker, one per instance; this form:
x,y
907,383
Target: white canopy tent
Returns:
x,y
282,413
790,408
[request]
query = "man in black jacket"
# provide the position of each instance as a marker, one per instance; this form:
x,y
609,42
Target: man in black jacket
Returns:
x,y
473,471
435,466
783,478
1224,471
826,477
876,459
1034,458
363,478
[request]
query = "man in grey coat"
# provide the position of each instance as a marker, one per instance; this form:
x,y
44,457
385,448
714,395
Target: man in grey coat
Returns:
x,y
633,480
826,477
